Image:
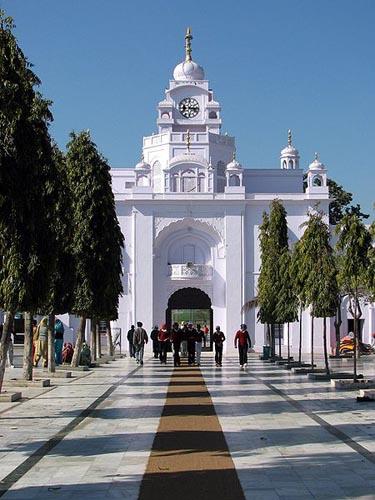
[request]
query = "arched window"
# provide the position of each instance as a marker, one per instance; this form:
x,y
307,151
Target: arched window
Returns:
x,y
165,116
188,182
212,114
284,164
234,180
317,181
201,178
290,163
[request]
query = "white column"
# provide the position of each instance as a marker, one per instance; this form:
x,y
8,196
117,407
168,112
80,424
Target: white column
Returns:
x,y
234,268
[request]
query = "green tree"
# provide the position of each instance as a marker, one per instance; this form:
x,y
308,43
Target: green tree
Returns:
x,y
61,283
25,158
273,239
97,239
354,246
288,302
317,263
340,200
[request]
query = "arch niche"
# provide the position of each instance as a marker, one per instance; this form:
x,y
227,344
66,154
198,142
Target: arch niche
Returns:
x,y
190,304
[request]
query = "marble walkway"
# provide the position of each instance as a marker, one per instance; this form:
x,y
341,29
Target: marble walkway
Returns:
x,y
288,438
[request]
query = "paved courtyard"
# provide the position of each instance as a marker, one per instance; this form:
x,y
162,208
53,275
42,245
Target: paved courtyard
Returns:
x,y
123,431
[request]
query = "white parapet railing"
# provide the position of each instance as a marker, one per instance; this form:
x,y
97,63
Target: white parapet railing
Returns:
x,y
190,271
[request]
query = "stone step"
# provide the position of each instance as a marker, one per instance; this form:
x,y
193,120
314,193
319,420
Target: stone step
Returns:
x,y
332,376
56,374
296,364
10,397
306,371
36,382
366,395
74,369
349,385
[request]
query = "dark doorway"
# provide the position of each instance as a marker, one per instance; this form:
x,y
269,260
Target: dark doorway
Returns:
x,y
191,304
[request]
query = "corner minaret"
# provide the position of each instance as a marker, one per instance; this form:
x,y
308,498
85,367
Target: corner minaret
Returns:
x,y
317,177
289,156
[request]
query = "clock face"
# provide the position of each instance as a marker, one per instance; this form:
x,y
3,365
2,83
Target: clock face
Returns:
x,y
189,107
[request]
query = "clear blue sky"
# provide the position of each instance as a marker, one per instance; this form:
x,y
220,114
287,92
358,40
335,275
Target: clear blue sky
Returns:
x,y
307,65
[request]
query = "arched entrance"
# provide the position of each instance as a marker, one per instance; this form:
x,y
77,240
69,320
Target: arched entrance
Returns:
x,y
191,304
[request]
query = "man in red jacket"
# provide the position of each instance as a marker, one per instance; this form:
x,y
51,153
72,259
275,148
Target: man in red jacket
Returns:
x,y
242,338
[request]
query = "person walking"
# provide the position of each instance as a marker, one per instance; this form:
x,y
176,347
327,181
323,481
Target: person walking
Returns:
x,y
206,332
155,342
41,350
140,338
35,339
59,341
191,334
163,338
242,338
184,336
198,345
130,337
218,339
176,336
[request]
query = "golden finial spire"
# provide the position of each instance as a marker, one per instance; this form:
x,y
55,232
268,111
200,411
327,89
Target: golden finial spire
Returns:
x,y
316,156
289,137
188,39
188,142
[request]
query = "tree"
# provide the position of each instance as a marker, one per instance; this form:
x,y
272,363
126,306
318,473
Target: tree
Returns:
x,y
317,263
299,275
25,158
287,303
354,245
61,283
340,199
97,239
273,243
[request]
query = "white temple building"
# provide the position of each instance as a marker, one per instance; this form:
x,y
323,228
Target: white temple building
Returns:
x,y
190,213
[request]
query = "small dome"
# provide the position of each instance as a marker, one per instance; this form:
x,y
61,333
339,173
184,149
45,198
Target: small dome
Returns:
x,y
234,164
142,165
188,70
317,164
289,150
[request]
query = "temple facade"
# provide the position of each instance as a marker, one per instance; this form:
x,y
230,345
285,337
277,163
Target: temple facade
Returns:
x,y
190,213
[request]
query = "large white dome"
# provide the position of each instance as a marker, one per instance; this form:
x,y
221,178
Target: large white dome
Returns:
x,y
188,70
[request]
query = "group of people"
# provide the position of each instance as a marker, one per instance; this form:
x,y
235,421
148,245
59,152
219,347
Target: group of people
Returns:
x,y
40,341
184,341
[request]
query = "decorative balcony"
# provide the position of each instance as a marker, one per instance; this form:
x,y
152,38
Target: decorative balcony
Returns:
x,y
190,271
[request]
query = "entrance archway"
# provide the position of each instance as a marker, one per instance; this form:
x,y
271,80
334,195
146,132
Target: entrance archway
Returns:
x,y
191,304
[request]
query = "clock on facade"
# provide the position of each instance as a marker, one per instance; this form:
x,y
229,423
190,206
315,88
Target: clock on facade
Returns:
x,y
189,107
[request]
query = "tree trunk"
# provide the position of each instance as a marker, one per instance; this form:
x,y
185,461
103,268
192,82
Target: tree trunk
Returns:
x,y
288,338
273,342
338,323
312,342
93,333
111,349
79,341
28,348
325,345
99,341
279,340
300,335
4,344
355,342
51,344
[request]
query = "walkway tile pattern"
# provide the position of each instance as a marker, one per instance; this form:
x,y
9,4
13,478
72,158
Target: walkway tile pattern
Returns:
x,y
278,450
189,454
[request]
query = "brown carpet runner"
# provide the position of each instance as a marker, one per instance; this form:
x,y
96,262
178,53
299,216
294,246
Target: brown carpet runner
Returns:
x,y
189,457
